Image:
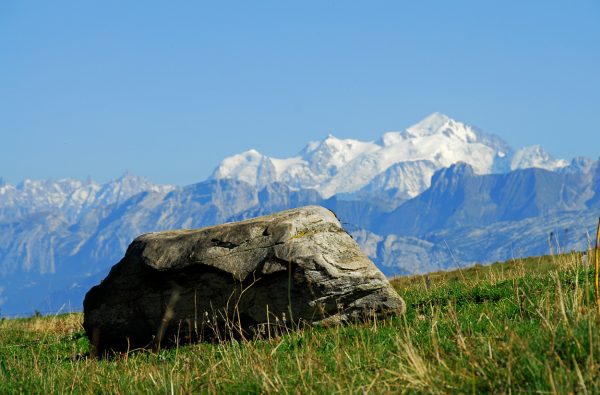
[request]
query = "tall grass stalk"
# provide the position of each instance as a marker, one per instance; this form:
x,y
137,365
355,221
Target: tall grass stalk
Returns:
x,y
597,269
524,326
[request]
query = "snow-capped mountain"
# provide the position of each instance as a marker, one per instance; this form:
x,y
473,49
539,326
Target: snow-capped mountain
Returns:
x,y
334,166
407,198
42,221
401,181
535,156
72,198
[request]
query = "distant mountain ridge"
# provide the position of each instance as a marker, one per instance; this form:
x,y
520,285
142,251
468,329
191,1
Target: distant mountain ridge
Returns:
x,y
69,196
334,166
438,193
458,197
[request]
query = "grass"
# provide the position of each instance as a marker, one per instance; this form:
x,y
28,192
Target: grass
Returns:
x,y
525,326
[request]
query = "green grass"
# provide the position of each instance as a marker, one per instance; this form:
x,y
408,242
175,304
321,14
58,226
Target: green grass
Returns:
x,y
526,326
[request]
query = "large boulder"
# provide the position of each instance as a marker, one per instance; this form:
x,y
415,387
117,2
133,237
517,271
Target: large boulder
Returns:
x,y
243,278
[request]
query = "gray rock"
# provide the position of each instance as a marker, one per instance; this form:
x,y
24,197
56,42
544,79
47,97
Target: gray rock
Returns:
x,y
240,279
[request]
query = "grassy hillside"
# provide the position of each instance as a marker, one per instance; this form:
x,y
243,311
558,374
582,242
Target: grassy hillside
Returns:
x,y
523,326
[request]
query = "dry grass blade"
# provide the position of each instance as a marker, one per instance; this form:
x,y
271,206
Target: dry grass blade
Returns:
x,y
597,268
458,336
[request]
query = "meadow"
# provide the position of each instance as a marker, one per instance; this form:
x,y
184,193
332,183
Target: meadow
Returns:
x,y
524,326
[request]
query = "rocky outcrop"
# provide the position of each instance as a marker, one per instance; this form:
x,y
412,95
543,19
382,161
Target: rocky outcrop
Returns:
x,y
240,279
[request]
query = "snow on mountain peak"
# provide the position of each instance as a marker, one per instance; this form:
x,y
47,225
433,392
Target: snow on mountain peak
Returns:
x,y
335,165
535,156
72,197
391,138
312,166
333,153
244,166
430,124
438,123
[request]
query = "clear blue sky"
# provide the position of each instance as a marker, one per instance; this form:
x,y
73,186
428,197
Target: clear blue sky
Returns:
x,y
167,89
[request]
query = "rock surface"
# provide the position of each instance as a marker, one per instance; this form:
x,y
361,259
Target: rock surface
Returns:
x,y
236,279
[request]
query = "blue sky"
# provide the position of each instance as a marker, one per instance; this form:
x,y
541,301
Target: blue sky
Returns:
x,y
167,89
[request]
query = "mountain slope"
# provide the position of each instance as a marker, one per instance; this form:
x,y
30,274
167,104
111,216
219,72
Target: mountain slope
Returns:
x,y
335,166
458,197
409,198
453,248
72,198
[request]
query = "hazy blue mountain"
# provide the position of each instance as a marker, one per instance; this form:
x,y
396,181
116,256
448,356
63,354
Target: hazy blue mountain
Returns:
x,y
458,198
437,195
594,201
460,247
276,197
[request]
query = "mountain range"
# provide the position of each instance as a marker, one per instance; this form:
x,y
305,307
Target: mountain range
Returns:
x,y
437,195
400,161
